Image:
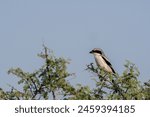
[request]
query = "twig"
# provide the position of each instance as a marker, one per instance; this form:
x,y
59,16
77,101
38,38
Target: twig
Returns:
x,y
47,69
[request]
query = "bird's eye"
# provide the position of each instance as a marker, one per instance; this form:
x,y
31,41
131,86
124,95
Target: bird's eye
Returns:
x,y
100,52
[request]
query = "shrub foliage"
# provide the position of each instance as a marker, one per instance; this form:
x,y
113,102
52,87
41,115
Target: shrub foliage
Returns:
x,y
51,82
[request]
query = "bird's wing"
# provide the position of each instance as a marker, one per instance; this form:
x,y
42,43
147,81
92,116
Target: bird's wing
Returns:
x,y
108,62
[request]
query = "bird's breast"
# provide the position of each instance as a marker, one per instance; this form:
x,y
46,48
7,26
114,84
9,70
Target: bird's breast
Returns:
x,y
102,63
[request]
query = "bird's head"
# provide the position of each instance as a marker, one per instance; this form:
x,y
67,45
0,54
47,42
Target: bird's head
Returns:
x,y
97,51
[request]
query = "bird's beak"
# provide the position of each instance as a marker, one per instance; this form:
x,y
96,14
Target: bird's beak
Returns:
x,y
91,52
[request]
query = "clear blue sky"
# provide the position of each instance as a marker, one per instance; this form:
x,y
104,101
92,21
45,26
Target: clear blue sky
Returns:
x,y
71,29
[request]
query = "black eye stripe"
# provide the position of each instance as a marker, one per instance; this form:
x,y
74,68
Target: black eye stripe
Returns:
x,y
97,51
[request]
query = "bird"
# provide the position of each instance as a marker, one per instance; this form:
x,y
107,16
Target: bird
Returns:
x,y
101,60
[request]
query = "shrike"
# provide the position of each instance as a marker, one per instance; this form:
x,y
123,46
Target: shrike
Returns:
x,y
102,60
